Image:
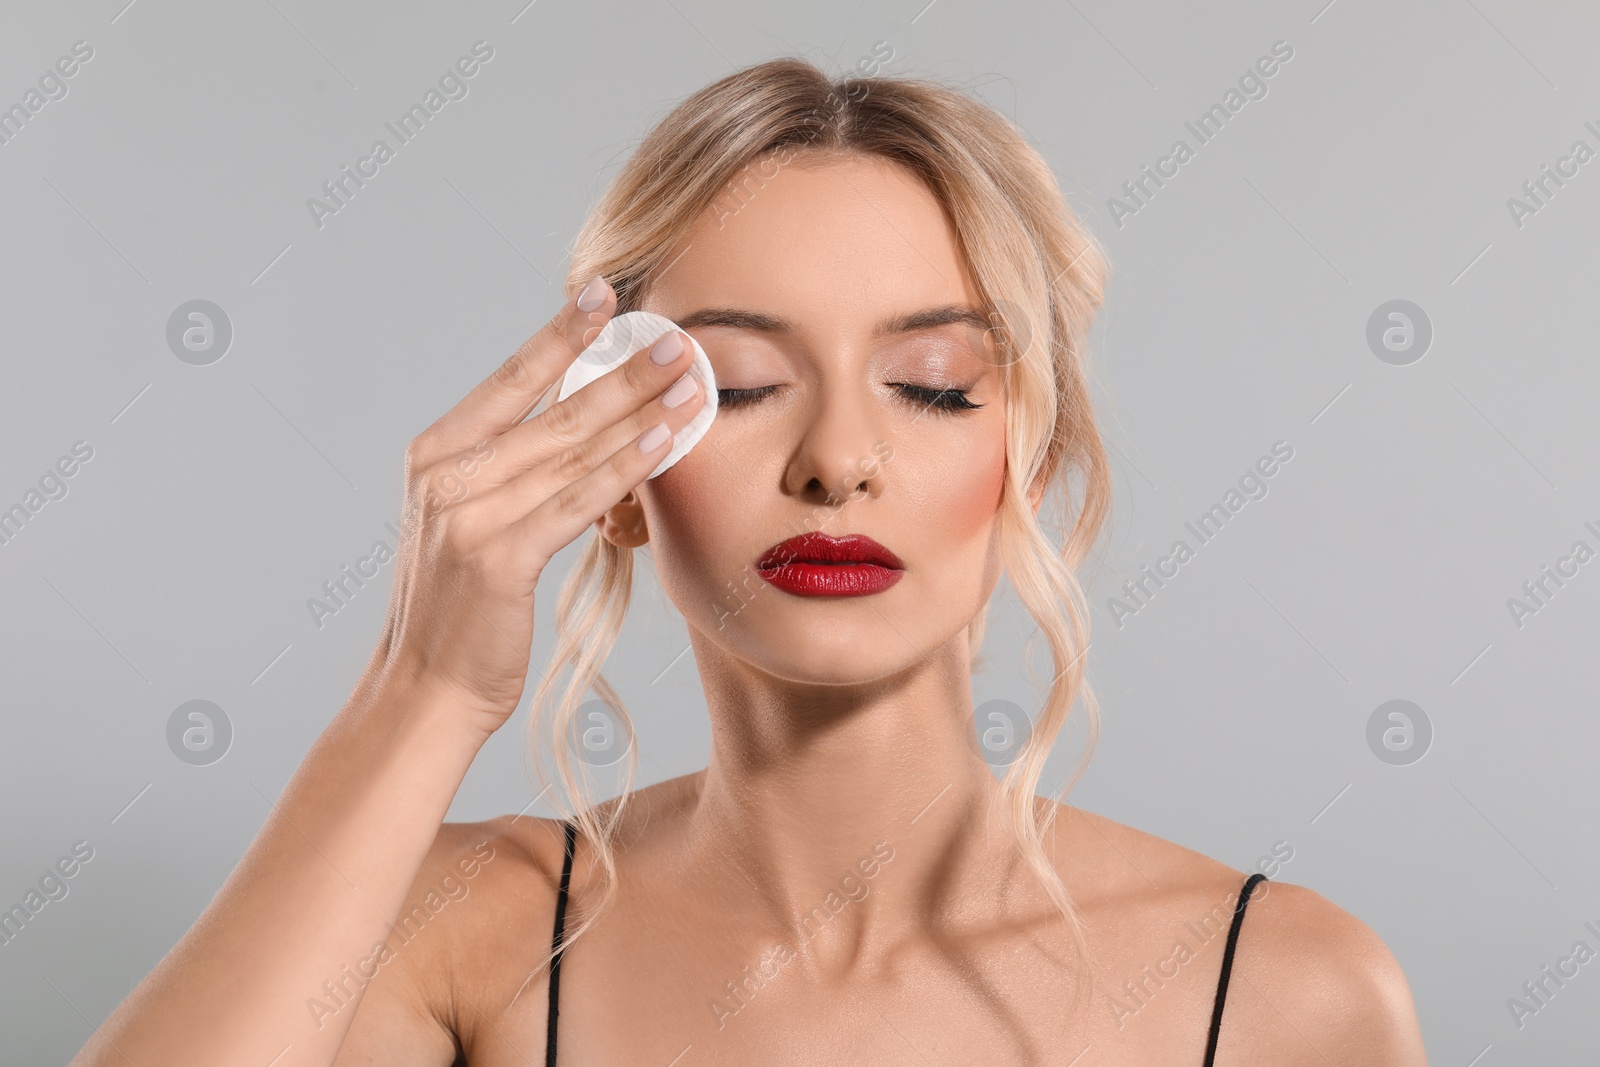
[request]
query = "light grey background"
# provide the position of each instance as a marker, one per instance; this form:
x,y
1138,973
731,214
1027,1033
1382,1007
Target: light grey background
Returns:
x,y
219,498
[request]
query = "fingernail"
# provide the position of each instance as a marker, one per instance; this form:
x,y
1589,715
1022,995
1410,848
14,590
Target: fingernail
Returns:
x,y
593,295
666,350
653,437
681,390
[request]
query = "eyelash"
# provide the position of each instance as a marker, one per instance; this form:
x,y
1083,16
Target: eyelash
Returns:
x,y
952,400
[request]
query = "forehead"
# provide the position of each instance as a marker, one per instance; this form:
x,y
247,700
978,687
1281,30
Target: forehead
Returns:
x,y
834,243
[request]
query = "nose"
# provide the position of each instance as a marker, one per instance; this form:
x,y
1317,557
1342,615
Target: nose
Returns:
x,y
837,458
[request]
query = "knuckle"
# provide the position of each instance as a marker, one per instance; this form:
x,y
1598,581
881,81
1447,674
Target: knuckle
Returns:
x,y
416,449
560,321
637,375
416,482
510,372
568,499
573,463
516,370
438,487
455,536
561,420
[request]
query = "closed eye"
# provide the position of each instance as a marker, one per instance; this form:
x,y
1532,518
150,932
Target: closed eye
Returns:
x,y
736,398
921,395
943,399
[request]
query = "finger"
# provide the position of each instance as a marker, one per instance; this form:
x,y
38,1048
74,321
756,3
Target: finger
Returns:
x,y
674,408
557,522
504,398
595,411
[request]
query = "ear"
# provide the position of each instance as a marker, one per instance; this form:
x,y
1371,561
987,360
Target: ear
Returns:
x,y
623,524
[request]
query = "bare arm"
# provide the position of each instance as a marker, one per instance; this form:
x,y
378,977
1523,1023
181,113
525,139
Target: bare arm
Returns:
x,y
490,499
311,897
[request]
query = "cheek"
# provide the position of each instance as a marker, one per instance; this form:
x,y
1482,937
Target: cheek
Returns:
x,y
961,497
694,523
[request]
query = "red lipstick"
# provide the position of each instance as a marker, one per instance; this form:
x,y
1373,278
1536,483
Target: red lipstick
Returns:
x,y
815,564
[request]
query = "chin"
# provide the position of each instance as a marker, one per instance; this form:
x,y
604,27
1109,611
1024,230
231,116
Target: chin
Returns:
x,y
843,642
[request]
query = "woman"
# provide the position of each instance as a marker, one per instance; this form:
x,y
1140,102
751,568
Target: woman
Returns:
x,y
846,881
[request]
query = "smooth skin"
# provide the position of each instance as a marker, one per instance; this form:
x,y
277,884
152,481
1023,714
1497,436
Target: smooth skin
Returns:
x,y
840,737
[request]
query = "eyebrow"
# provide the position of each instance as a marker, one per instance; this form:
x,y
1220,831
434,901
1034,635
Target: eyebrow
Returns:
x,y
926,319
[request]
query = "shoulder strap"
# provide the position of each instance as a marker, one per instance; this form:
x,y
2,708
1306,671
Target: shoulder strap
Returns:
x,y
1227,964
557,944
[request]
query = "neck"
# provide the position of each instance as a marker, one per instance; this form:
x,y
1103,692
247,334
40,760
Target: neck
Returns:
x,y
849,815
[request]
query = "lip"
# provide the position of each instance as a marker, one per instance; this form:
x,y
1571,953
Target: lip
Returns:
x,y
816,564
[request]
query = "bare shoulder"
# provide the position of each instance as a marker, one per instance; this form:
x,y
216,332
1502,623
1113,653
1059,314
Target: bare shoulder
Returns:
x,y
1310,983
1319,985
1108,862
506,872
472,925
475,875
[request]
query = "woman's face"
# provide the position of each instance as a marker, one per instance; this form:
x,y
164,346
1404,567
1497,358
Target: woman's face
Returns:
x,y
808,290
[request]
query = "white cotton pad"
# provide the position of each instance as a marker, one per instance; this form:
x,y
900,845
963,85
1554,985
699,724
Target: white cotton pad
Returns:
x,y
620,338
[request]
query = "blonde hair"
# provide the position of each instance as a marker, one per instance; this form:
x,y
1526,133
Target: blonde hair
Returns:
x,y
1041,275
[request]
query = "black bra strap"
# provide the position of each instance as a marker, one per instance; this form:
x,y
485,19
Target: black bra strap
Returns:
x,y
1227,964
557,944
